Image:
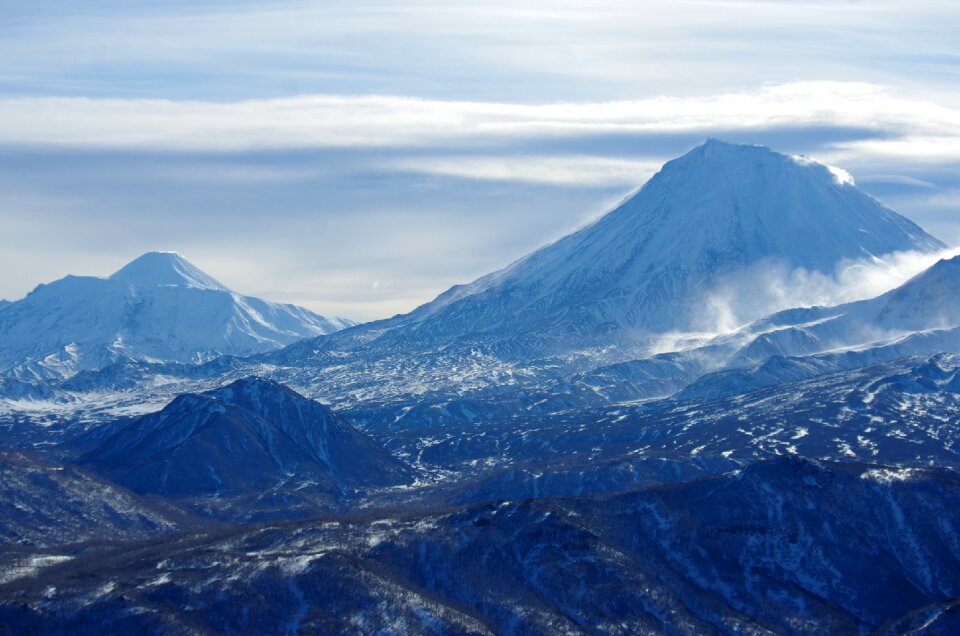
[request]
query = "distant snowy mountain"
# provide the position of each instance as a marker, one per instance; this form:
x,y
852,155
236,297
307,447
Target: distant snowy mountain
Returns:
x,y
651,264
648,265
158,307
577,321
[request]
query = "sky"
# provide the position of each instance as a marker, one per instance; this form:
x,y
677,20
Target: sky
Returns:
x,y
358,158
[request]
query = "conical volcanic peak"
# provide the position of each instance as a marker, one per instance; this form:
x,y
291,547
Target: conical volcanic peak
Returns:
x,y
742,203
165,269
651,265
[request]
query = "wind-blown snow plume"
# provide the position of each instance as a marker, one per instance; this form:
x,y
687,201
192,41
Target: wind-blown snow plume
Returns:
x,y
771,286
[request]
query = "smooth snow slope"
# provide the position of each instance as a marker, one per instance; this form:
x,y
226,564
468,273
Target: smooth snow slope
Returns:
x,y
649,265
158,307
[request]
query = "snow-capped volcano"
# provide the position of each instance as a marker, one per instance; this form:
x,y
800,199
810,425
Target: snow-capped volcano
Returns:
x,y
165,269
158,307
650,265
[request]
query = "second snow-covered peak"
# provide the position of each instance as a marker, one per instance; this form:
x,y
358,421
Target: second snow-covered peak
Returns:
x,y
158,308
165,269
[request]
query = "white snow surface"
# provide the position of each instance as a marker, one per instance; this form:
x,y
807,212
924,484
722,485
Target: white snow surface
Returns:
x,y
651,265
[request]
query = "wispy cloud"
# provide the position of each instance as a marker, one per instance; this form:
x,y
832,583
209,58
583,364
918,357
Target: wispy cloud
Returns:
x,y
770,287
930,148
928,128
578,170
337,192
526,49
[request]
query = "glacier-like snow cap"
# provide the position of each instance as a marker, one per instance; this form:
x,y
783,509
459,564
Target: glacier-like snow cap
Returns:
x,y
165,269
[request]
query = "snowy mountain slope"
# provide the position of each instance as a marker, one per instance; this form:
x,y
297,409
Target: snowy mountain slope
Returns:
x,y
647,265
778,369
249,437
445,387
681,375
658,376
14,389
573,318
766,353
920,317
165,269
897,412
158,307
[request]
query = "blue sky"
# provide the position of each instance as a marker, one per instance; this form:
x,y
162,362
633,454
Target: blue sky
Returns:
x,y
360,157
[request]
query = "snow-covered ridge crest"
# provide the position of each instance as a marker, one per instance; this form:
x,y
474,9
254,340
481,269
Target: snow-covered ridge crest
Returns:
x,y
165,269
158,308
771,286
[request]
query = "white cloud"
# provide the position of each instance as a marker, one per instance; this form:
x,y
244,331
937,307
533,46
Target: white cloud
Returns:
x,y
576,170
562,49
372,121
496,75
927,148
898,179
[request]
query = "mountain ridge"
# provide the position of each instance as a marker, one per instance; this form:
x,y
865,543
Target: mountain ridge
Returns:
x,y
158,307
165,268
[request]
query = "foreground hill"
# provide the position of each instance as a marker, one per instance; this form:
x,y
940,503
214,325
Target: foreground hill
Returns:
x,y
784,546
43,504
158,307
249,438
